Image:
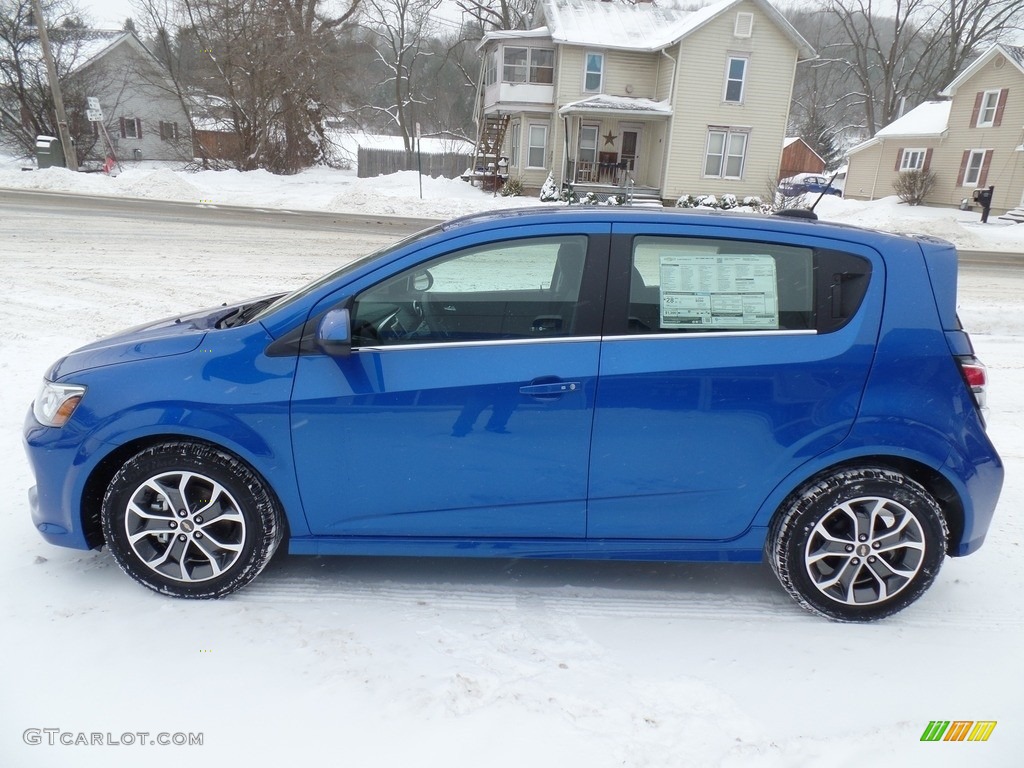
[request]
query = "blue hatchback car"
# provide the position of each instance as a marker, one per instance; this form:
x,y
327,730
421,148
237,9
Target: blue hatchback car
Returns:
x,y
569,383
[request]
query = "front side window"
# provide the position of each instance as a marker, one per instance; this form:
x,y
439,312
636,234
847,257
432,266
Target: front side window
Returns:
x,y
912,160
989,105
593,77
537,150
680,285
735,77
726,153
518,289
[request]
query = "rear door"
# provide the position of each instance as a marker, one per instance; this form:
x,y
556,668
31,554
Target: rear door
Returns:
x,y
728,360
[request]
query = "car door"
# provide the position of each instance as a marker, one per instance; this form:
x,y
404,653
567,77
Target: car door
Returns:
x,y
466,405
729,359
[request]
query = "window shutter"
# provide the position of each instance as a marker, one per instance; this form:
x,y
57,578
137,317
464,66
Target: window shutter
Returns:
x,y
963,167
899,158
927,160
138,128
1000,107
983,176
977,108
124,129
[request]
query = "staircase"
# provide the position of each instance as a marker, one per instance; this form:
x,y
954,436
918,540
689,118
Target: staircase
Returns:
x,y
1016,215
488,147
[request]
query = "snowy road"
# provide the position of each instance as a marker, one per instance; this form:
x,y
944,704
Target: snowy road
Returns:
x,y
354,662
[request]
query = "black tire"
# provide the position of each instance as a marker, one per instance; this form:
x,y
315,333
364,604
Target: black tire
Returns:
x,y
189,520
859,544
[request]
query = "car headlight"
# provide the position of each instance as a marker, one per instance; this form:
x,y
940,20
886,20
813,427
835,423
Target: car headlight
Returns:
x,y
55,403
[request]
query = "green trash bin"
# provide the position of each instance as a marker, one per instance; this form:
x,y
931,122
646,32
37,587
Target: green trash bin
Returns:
x,y
49,153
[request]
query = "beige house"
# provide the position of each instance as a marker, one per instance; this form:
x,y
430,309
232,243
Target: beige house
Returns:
x,y
973,139
660,102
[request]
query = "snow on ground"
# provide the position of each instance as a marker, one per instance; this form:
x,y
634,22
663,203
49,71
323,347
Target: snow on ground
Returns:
x,y
399,194
449,663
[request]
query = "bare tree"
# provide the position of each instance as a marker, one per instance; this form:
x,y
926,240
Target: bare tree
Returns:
x,y
265,60
26,104
963,26
400,29
498,14
885,56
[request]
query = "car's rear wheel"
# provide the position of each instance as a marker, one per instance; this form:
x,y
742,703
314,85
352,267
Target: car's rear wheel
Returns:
x,y
188,520
859,544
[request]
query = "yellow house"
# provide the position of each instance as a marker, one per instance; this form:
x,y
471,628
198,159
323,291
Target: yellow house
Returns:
x,y
613,96
973,139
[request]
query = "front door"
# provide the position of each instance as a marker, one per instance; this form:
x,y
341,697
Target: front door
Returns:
x,y
466,406
630,154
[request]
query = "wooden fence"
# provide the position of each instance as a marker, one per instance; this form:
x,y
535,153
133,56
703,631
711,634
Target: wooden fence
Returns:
x,y
375,162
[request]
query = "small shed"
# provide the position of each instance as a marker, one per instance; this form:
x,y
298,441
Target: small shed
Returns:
x,y
798,157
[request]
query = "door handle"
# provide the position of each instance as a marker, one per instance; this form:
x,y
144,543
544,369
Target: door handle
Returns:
x,y
550,388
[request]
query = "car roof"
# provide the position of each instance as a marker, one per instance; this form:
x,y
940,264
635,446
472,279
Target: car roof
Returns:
x,y
556,213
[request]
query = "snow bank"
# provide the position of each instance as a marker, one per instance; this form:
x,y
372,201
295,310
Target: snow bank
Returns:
x,y
341,191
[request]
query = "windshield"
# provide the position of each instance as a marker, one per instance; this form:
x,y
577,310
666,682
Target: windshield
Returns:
x,y
290,298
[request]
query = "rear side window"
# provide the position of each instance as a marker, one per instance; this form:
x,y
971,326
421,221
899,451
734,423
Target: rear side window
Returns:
x,y
685,284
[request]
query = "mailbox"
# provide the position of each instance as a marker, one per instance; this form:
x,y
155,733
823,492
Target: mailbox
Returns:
x,y
983,197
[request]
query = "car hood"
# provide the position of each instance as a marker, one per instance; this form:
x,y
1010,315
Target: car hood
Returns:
x,y
175,335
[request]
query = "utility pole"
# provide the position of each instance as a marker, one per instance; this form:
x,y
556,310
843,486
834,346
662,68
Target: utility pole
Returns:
x,y
70,158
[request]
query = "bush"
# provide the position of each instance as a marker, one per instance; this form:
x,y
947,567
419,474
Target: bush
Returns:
x,y
512,188
725,203
549,192
912,187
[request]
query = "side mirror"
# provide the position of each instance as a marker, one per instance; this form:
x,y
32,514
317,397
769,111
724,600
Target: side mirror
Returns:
x,y
334,333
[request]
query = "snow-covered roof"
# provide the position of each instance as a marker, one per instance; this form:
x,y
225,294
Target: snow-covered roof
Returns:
x,y
928,119
618,104
925,121
1013,53
515,34
95,43
644,26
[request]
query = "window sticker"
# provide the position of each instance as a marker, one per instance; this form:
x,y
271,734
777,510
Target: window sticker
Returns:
x,y
718,292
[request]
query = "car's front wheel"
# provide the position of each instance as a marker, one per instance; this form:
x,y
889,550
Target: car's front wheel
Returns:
x,y
858,544
188,520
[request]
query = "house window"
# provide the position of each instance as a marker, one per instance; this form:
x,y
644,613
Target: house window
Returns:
x,y
975,169
537,147
491,68
513,145
131,128
913,160
516,66
542,65
735,77
168,130
744,25
529,65
593,76
726,153
987,113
